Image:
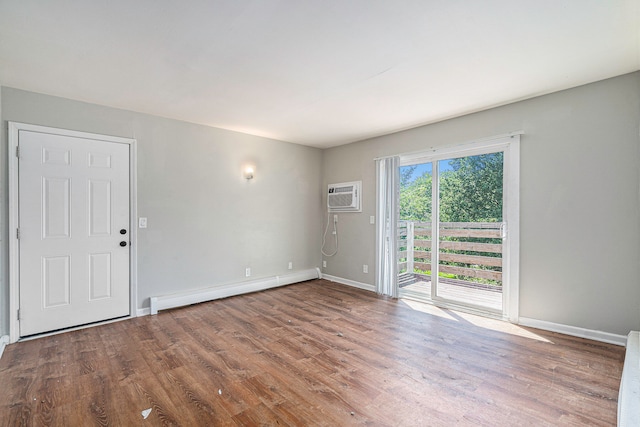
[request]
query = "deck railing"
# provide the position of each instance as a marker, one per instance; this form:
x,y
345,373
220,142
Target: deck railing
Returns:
x,y
469,251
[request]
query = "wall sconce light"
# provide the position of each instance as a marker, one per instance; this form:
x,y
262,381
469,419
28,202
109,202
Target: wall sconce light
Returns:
x,y
248,173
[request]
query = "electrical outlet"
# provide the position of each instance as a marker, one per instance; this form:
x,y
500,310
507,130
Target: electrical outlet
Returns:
x,y
324,264
142,222
247,272
365,268
335,218
290,265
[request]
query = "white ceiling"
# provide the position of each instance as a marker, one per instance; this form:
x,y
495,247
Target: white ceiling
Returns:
x,y
313,72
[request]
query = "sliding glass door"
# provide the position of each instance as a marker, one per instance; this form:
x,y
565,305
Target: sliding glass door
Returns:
x,y
453,230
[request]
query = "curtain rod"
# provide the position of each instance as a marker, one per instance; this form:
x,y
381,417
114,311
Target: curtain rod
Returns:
x,y
473,141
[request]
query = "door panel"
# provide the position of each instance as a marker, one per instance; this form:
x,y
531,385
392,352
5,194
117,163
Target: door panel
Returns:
x,y
73,202
55,281
470,217
56,211
99,208
100,276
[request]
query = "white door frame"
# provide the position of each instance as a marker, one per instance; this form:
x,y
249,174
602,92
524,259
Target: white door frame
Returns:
x,y
510,144
14,253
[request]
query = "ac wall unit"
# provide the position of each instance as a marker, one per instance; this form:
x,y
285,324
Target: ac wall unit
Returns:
x,y
344,197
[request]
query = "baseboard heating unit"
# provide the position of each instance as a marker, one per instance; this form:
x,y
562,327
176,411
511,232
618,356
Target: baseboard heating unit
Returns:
x,y
181,299
629,395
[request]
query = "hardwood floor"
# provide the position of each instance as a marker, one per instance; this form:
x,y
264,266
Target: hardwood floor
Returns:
x,y
314,353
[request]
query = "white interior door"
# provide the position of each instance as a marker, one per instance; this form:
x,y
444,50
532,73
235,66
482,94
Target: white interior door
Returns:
x,y
74,232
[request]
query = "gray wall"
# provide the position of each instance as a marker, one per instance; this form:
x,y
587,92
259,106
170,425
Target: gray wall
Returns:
x,y
580,198
206,222
579,211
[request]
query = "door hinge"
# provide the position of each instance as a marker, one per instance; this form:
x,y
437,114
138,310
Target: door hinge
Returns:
x,y
17,151
18,233
18,314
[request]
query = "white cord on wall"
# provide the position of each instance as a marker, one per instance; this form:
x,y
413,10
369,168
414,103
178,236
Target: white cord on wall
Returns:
x,y
335,233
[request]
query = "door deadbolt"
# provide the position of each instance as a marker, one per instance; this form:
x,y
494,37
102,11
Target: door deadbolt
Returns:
x,y
123,244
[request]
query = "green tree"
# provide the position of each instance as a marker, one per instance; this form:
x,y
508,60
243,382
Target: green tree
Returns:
x,y
415,199
472,190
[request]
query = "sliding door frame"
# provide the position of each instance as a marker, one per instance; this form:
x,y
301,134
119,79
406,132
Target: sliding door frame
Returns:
x,y
509,144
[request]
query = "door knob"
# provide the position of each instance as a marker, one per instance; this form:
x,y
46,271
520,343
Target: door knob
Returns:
x,y
123,231
123,244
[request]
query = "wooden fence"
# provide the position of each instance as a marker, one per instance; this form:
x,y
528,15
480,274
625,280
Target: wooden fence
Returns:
x,y
459,245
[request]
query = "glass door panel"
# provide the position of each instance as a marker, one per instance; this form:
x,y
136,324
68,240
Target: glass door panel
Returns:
x,y
470,231
414,228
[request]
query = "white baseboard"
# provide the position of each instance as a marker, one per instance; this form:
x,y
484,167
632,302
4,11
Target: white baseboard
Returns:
x,y
574,331
349,282
228,290
4,341
143,312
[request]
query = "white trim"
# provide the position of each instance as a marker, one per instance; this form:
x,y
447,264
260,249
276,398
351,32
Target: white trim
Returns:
x,y
180,299
67,132
143,312
435,229
348,282
439,153
511,216
14,250
4,340
474,149
133,227
574,331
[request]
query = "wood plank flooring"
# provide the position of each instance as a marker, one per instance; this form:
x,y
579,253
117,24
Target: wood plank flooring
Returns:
x,y
314,353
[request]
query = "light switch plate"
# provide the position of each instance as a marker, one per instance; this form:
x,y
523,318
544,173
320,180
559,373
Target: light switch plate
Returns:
x,y
142,222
